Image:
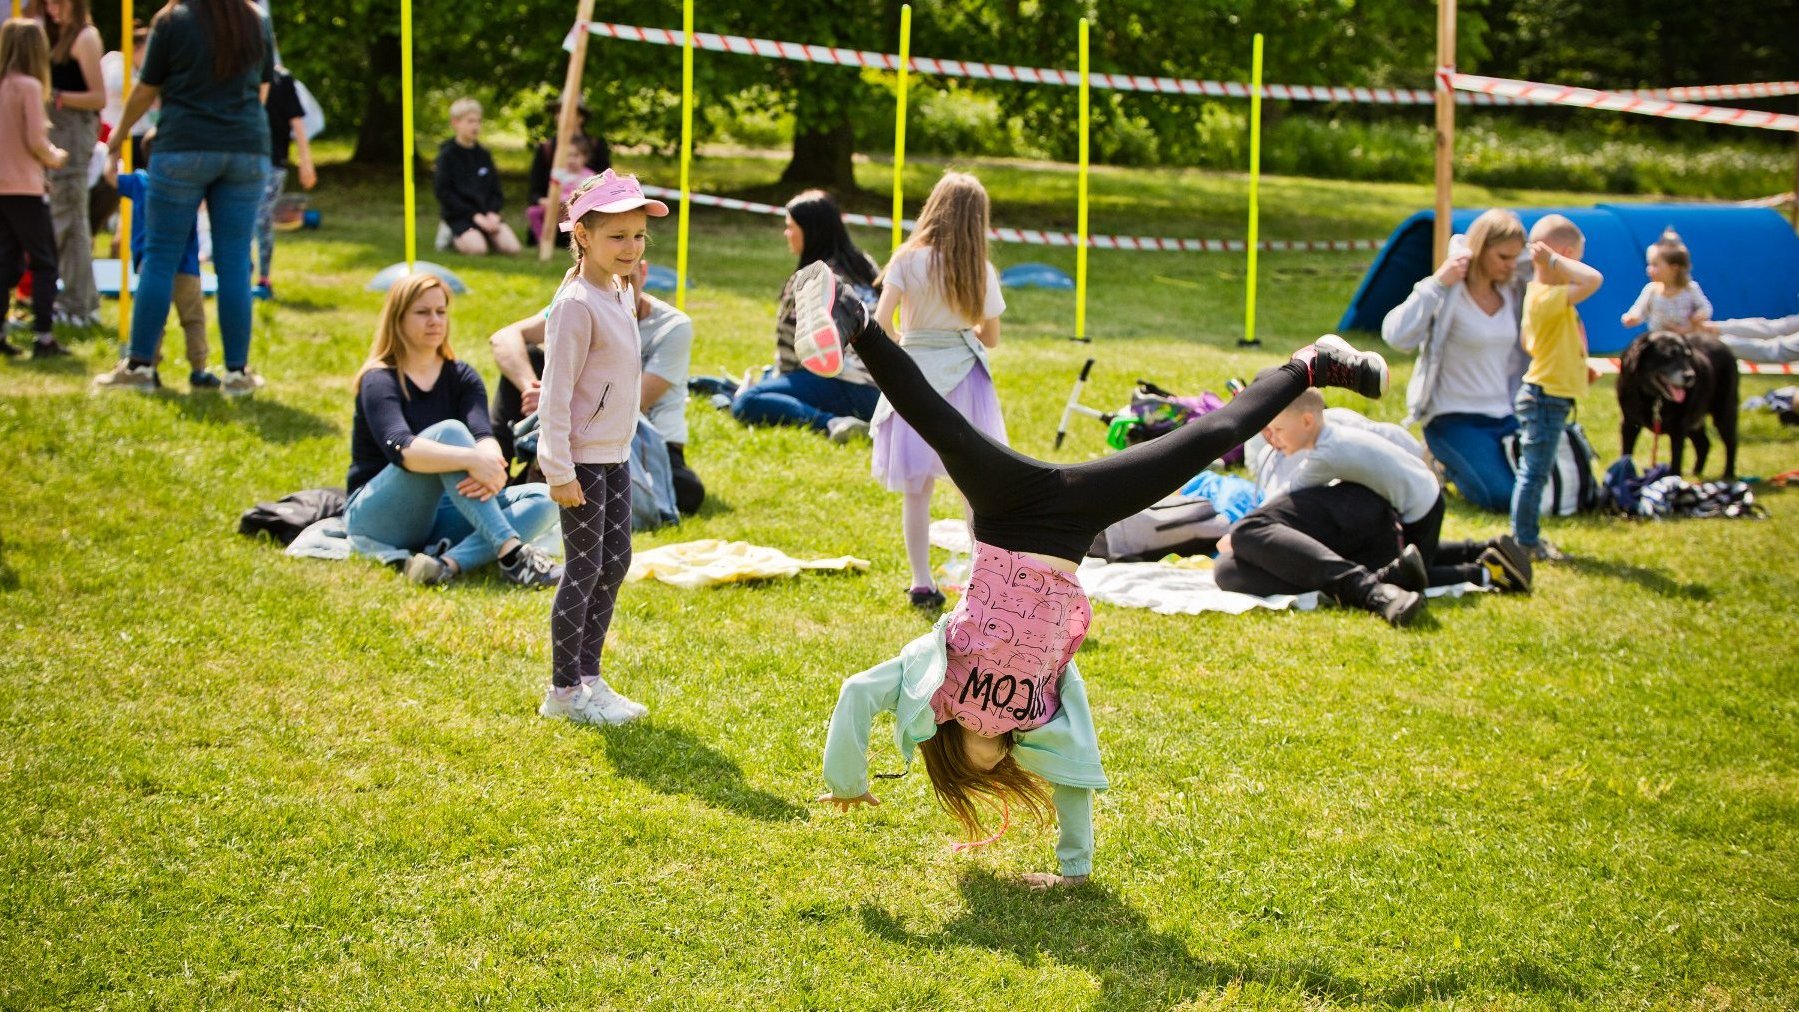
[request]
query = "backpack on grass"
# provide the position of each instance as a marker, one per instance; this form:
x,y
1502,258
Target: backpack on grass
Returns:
x,y
1571,487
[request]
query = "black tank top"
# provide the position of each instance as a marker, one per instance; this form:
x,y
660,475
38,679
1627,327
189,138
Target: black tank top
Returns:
x,y
67,76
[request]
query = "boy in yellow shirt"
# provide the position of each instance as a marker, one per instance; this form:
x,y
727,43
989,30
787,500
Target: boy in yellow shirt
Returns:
x,y
1557,344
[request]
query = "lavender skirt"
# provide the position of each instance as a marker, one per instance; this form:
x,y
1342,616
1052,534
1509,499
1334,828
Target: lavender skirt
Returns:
x,y
904,462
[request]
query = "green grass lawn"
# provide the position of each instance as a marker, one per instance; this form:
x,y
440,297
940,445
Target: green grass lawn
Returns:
x,y
235,779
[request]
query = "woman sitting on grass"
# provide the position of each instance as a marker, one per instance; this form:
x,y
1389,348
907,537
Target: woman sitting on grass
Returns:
x,y
424,467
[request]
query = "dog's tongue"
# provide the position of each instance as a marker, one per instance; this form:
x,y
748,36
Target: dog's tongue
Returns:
x,y
1678,395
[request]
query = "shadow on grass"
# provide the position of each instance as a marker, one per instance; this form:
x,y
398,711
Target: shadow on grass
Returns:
x,y
272,420
1654,580
1091,928
9,577
671,761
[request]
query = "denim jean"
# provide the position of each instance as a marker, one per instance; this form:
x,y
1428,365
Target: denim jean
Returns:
x,y
1541,420
410,510
801,398
1471,451
231,184
272,185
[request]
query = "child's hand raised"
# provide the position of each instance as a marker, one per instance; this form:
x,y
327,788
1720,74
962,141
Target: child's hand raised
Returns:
x,y
842,804
1541,256
568,494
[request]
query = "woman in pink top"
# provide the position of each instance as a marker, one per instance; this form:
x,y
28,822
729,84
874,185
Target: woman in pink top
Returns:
x,y
1024,616
587,410
26,235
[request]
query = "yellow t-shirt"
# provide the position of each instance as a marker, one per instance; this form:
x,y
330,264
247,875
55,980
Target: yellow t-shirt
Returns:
x,y
1555,341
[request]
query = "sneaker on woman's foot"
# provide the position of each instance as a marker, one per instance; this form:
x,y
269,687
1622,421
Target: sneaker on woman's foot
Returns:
x,y
603,704
844,428
824,323
126,376
428,570
1335,364
240,382
563,704
531,567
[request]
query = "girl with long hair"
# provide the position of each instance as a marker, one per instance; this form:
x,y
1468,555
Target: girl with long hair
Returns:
x,y
839,406
991,697
424,467
77,94
26,234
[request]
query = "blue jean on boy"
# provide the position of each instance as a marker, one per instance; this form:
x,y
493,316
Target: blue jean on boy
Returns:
x,y
1541,420
231,185
411,510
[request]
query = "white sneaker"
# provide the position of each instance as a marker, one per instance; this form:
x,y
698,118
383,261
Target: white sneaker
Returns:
x,y
604,705
563,704
844,428
817,342
126,376
240,382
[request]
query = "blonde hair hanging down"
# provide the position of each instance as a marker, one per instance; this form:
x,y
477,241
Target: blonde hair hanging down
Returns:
x,y
1494,225
385,352
25,49
952,228
964,791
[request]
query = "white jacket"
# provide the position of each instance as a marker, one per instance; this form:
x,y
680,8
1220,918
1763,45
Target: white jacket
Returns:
x,y
1420,324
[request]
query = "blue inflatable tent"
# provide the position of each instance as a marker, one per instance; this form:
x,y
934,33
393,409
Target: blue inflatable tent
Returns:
x,y
1745,258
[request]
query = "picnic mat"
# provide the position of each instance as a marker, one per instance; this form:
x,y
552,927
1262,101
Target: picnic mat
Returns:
x,y
709,562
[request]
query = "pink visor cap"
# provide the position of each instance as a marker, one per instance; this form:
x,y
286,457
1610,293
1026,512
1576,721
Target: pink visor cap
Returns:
x,y
613,194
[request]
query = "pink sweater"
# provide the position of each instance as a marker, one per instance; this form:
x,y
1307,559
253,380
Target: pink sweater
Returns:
x,y
591,375
22,122
1009,639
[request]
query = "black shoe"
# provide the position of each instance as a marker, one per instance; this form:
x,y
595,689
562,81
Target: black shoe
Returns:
x,y
9,349
1397,605
1407,572
41,348
927,599
1508,564
1336,364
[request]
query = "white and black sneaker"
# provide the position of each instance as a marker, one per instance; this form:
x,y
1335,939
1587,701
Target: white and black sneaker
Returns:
x,y
428,570
531,567
824,324
1335,363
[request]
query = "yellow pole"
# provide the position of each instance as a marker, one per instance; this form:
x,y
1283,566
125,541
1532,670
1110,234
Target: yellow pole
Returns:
x,y
686,150
899,125
406,153
1445,134
1255,186
125,166
1080,214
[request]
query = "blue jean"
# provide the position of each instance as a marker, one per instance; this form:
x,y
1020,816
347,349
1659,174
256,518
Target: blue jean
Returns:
x,y
801,398
272,184
1471,451
1541,419
231,185
412,511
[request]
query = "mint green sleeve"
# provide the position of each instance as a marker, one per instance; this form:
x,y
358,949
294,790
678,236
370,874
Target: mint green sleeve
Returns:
x,y
846,743
1074,817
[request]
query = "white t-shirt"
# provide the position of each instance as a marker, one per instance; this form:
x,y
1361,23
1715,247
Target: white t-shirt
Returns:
x,y
1475,377
665,336
1368,458
922,305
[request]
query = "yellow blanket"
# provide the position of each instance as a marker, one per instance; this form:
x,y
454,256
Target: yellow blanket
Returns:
x,y
707,562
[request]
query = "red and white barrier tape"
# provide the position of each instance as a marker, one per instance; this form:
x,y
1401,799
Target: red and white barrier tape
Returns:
x,y
1722,92
1030,75
1609,367
1034,237
1617,101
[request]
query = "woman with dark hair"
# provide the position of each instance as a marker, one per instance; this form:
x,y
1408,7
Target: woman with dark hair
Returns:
x,y
210,62
839,407
77,94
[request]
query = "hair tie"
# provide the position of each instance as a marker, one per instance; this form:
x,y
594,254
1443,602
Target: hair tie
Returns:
x,y
1005,823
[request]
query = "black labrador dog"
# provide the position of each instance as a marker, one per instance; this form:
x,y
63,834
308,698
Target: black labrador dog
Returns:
x,y
1668,383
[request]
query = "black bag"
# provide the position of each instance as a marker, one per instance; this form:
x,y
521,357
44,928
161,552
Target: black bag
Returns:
x,y
286,517
1178,525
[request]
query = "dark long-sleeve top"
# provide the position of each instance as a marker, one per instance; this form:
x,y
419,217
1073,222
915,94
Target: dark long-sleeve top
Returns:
x,y
467,184
387,422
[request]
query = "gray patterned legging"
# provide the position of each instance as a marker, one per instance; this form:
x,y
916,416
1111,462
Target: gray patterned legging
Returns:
x,y
596,538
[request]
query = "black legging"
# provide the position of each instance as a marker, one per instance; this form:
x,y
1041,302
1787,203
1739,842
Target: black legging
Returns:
x,y
1022,504
596,537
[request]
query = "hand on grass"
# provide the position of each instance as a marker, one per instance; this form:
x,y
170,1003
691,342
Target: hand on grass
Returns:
x,y
568,494
842,804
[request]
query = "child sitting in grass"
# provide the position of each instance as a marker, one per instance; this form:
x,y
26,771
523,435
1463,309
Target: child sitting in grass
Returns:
x,y
468,187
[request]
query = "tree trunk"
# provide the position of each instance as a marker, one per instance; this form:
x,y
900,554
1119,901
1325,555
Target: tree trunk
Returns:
x,y
378,140
822,157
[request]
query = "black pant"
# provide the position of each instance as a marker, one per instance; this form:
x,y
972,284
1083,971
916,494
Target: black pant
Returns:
x,y
1022,504
1449,562
27,239
508,409
1327,537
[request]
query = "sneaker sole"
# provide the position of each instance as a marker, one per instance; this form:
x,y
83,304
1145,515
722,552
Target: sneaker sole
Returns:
x,y
1334,341
1410,612
816,297
1514,561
